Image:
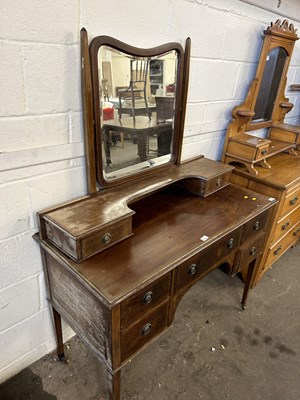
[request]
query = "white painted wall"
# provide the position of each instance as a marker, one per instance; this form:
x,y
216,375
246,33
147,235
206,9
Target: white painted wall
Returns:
x,y
41,138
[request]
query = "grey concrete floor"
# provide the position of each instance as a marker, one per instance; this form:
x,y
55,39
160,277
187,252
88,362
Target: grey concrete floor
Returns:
x,y
256,356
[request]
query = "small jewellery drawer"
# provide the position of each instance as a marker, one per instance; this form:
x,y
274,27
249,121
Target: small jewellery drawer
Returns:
x,y
280,247
262,152
214,184
81,247
228,244
248,252
106,237
291,202
255,225
143,331
190,270
285,224
145,300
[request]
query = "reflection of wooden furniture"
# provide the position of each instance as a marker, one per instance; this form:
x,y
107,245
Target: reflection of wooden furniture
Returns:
x,y
265,106
140,128
118,261
121,299
281,181
137,88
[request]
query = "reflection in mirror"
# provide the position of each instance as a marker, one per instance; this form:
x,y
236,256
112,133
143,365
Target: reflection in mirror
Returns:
x,y
137,101
269,84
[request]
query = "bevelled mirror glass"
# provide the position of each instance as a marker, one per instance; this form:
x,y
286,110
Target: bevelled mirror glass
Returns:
x,y
269,84
136,107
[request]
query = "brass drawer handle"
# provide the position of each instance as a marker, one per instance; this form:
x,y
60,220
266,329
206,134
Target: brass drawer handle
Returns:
x,y
106,238
294,200
230,243
284,226
252,251
146,329
277,250
148,297
218,182
296,231
264,152
193,269
256,226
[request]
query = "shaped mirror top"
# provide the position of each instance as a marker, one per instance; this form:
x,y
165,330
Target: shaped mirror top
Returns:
x,y
136,112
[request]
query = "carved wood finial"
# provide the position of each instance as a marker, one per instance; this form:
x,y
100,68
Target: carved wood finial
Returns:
x,y
282,28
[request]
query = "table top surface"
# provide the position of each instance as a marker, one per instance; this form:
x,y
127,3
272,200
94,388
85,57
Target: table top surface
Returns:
x,y
284,171
140,123
167,230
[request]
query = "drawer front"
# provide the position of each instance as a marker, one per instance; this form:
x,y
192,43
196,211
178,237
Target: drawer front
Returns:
x,y
262,152
291,202
279,248
143,331
228,244
285,224
191,270
248,252
255,225
145,300
106,237
205,187
216,183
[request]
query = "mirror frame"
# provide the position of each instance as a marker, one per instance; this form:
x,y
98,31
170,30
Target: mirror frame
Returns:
x,y
276,35
91,105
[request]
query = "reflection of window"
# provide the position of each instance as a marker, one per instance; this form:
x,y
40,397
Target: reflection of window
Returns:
x,y
269,84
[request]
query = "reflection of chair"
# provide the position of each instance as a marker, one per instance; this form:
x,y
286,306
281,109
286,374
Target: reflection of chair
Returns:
x,y
137,86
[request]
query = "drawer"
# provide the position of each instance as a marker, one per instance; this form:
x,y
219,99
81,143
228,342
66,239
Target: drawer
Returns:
x,y
189,271
255,225
145,300
79,248
291,202
214,184
262,152
279,248
285,224
248,252
106,237
228,244
206,186
143,331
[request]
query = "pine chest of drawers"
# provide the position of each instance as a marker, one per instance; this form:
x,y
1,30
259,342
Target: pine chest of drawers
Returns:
x,y
281,181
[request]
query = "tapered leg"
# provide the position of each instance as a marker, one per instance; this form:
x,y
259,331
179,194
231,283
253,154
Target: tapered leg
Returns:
x,y
59,336
248,282
114,384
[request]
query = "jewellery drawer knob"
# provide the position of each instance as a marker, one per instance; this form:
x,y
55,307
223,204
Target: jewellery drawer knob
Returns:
x,y
147,328
252,251
264,152
148,297
218,182
294,200
193,269
277,250
284,226
296,231
230,243
256,226
106,238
